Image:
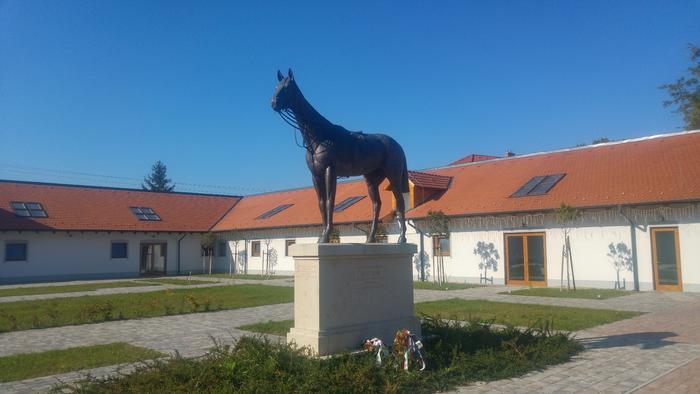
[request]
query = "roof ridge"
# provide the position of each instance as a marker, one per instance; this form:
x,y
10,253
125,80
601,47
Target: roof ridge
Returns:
x,y
293,189
604,144
115,188
427,173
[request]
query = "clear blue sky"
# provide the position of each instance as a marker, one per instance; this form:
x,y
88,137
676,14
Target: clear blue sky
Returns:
x,y
108,87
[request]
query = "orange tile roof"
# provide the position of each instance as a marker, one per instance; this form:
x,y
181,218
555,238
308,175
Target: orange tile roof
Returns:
x,y
305,210
98,208
473,158
648,170
429,181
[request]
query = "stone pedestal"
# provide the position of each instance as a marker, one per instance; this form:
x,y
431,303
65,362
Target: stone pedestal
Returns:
x,y
346,293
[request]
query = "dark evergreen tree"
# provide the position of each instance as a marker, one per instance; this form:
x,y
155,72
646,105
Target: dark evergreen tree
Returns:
x,y
158,180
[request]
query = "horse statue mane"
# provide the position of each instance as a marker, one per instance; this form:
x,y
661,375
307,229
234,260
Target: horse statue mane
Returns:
x,y
333,151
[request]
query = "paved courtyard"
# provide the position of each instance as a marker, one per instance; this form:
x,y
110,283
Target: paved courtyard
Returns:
x,y
653,352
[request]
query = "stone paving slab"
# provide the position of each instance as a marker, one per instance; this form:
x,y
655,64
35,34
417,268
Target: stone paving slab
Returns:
x,y
684,379
190,334
45,383
610,367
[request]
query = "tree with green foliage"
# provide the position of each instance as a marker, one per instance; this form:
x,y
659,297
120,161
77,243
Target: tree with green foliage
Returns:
x,y
208,241
437,223
438,227
595,141
157,180
685,92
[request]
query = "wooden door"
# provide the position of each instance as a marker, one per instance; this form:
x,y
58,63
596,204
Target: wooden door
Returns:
x,y
153,258
526,259
666,259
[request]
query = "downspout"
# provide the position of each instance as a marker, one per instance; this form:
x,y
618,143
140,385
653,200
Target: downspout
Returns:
x,y
245,249
178,252
420,251
633,235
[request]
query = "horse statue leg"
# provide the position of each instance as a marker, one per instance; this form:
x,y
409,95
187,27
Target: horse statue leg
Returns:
x,y
400,212
331,183
320,186
373,180
398,178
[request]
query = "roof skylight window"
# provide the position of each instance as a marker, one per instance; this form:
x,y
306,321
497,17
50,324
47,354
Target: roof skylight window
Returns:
x,y
28,209
538,185
145,214
345,204
274,211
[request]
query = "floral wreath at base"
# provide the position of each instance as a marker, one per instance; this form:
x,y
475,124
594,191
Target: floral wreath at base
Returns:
x,y
406,344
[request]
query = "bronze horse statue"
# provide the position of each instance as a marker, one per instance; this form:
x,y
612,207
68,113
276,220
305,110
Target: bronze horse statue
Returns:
x,y
333,151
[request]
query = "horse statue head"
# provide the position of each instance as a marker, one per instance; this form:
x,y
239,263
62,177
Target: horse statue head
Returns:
x,y
285,92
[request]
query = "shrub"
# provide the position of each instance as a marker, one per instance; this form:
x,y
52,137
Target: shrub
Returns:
x,y
456,354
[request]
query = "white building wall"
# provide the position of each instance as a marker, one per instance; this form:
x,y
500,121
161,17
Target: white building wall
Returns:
x,y
589,245
589,249
277,238
87,255
689,236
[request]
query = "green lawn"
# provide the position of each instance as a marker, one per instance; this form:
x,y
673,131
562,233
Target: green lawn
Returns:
x,y
593,294
446,286
177,281
23,315
280,328
52,362
20,291
246,276
562,318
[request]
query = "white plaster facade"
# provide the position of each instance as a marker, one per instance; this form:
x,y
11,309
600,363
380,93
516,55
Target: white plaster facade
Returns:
x,y
589,238
62,255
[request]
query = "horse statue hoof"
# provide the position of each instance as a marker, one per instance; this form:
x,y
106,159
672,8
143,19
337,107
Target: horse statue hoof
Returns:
x,y
402,239
324,238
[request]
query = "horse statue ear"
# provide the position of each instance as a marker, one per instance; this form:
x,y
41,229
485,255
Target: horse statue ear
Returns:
x,y
279,75
290,74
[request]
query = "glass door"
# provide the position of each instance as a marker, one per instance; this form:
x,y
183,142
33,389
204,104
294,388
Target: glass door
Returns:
x,y
526,263
153,258
665,253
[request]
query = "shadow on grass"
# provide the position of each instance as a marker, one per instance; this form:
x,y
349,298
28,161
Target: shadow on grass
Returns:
x,y
643,340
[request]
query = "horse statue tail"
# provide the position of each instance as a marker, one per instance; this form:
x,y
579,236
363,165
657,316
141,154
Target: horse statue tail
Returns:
x,y
404,178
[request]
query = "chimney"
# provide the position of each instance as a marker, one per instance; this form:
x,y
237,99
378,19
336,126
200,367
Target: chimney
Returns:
x,y
509,153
